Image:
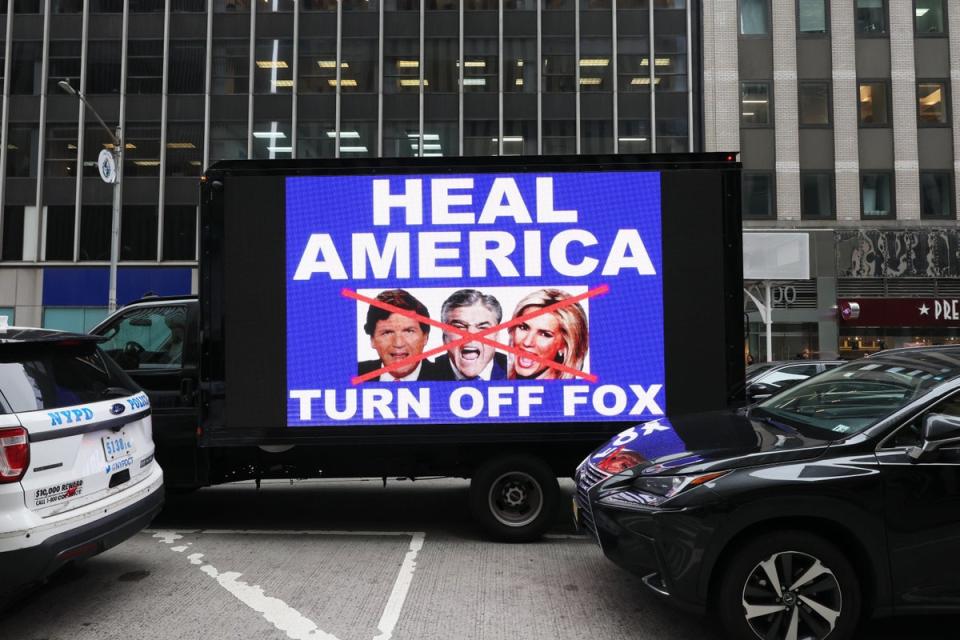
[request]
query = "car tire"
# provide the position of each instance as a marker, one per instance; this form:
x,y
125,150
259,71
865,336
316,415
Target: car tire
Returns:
x,y
513,497
819,590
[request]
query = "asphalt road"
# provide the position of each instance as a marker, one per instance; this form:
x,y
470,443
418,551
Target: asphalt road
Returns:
x,y
346,560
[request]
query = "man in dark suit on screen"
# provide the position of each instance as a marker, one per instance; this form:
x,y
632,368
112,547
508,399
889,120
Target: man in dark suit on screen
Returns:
x,y
473,311
396,337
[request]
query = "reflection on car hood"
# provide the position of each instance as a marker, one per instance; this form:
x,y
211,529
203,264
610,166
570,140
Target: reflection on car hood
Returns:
x,y
711,441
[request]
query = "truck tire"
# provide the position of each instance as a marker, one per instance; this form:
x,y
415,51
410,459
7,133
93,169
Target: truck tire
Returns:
x,y
817,594
513,497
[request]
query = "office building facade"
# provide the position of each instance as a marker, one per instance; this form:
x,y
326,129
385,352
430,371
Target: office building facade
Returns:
x,y
191,82
842,111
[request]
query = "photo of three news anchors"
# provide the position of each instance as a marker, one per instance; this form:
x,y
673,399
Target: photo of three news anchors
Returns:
x,y
559,335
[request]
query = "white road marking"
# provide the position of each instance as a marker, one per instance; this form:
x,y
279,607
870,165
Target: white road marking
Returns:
x,y
292,532
277,612
180,549
167,537
391,612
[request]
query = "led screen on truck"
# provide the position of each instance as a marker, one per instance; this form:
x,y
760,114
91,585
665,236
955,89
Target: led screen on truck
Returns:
x,y
481,297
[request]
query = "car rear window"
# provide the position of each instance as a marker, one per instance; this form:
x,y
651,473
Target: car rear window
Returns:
x,y
49,376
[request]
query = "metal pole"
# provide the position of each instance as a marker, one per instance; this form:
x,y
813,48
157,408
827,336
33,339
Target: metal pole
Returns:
x,y
769,321
117,139
115,227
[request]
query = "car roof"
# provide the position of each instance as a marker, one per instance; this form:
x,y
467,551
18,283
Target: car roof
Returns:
x,y
24,335
944,359
155,298
781,363
937,348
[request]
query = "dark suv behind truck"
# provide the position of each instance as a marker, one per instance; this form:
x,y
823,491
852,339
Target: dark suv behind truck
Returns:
x,y
836,497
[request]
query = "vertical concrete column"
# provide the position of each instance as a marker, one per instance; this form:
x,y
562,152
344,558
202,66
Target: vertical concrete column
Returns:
x,y
824,265
721,76
785,112
903,84
954,18
846,136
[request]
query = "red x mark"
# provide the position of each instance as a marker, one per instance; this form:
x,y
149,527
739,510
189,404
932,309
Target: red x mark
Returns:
x,y
479,336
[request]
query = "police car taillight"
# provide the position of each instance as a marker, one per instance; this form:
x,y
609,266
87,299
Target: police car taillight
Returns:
x,y
14,454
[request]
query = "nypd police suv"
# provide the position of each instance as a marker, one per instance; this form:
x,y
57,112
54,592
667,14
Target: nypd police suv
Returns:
x,y
77,469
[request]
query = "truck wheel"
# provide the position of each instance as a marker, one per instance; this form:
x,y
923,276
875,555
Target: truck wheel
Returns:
x,y
788,585
513,497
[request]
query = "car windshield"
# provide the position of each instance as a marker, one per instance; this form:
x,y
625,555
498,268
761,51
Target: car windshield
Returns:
x,y
855,396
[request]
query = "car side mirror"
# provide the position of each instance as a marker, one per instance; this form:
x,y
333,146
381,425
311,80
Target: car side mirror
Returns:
x,y
939,430
759,391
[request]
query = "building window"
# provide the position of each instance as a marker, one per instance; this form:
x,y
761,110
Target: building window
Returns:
x,y
61,151
932,104
13,227
816,195
757,198
874,104
273,69
66,6
74,319
871,17
876,195
141,156
755,104
230,67
64,63
814,103
25,76
936,194
21,143
228,141
184,148
145,66
187,66
812,16
95,226
930,18
754,17
190,5
231,5
59,236
103,67
138,233
180,232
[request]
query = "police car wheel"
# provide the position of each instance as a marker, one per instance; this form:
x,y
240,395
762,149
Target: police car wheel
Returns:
x,y
513,497
788,584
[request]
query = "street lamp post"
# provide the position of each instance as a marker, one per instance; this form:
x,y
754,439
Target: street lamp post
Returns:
x,y
111,170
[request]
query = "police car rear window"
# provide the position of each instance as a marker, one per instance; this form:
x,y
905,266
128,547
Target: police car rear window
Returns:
x,y
35,377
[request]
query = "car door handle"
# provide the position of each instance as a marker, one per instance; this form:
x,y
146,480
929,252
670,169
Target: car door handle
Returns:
x,y
187,389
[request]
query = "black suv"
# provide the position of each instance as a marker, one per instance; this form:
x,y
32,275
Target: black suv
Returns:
x,y
837,498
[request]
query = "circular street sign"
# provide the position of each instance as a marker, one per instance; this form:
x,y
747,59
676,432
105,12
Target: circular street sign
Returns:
x,y
107,165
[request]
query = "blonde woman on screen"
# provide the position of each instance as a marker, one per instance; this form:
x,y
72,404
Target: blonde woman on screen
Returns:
x,y
560,335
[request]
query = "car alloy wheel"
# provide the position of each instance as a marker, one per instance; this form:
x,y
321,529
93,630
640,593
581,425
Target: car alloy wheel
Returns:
x,y
792,596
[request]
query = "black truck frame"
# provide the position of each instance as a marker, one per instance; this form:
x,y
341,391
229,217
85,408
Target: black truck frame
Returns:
x,y
203,440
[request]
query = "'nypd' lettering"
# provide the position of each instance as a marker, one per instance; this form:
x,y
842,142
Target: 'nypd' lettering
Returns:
x,y
69,416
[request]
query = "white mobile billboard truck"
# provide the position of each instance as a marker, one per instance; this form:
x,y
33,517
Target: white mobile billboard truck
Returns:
x,y
494,319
